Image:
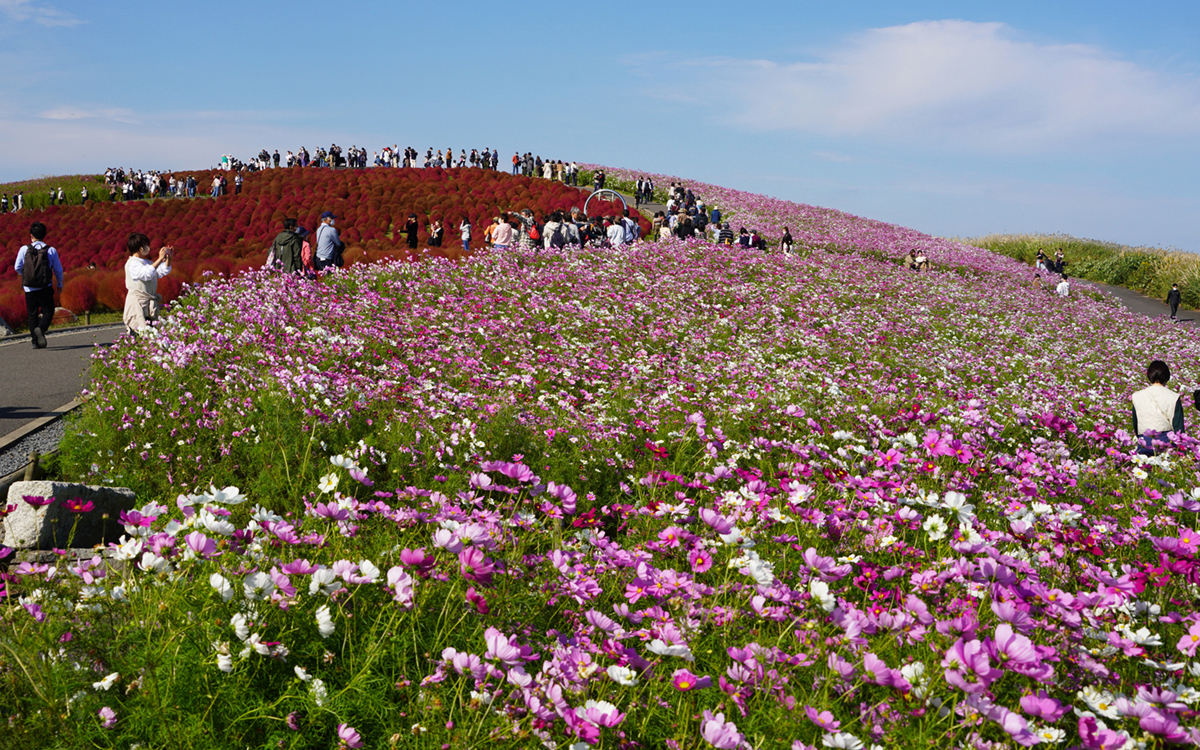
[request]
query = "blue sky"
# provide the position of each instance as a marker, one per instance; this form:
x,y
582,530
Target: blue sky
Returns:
x,y
957,119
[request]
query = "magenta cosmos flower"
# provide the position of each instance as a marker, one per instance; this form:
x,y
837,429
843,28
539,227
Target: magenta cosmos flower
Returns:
x,y
700,560
77,505
684,680
37,501
348,736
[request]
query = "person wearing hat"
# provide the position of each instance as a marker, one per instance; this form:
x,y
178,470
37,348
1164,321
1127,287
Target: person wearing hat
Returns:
x,y
329,245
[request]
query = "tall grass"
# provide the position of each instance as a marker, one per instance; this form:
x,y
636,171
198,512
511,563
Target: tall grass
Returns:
x,y
1149,270
37,190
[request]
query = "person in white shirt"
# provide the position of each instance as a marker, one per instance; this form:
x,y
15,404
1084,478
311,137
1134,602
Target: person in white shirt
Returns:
x,y
1157,410
615,232
1063,288
142,302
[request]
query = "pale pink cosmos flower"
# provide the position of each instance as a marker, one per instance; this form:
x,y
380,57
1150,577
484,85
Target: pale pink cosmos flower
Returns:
x,y
348,736
108,717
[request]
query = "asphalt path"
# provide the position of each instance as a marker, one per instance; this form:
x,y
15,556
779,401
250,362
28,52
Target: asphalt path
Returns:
x,y
1141,304
40,380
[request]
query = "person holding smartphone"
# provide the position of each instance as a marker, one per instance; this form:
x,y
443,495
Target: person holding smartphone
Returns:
x,y
143,302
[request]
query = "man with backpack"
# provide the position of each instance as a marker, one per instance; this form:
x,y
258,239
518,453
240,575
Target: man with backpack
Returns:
x,y
40,268
285,250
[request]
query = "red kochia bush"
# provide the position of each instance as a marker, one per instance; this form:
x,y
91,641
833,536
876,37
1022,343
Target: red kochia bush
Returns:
x,y
232,233
79,294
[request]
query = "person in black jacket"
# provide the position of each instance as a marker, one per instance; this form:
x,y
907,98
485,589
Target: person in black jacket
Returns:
x,y
411,229
1173,298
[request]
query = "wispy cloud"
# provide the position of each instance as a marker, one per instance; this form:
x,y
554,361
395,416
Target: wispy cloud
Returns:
x,y
45,15
114,114
963,84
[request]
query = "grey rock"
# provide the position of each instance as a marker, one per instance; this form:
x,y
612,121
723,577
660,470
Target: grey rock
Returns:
x,y
51,526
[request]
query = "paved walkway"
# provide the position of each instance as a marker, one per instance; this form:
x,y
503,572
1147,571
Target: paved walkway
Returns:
x,y
1140,303
39,380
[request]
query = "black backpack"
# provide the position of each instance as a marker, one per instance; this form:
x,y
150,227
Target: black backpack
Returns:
x,y
36,273
558,238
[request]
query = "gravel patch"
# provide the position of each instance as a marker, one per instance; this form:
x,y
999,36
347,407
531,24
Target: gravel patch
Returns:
x,y
42,441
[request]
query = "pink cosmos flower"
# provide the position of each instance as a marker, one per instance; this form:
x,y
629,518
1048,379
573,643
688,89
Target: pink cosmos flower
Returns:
x,y
684,681
201,544
1095,738
504,649
823,719
108,717
480,603
348,736
475,566
1041,705
77,505
718,522
1190,641
301,567
719,733
332,511
416,558
37,501
701,560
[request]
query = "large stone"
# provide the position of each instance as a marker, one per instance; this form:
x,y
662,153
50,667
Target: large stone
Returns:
x,y
50,526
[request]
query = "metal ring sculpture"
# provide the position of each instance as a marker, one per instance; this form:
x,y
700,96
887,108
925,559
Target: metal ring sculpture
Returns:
x,y
598,192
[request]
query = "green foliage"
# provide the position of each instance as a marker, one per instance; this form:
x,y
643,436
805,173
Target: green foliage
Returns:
x,y
37,189
1150,271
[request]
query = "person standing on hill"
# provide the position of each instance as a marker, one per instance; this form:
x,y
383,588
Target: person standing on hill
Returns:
x,y
329,244
1157,410
1173,299
4,204
40,268
1064,288
286,249
464,229
83,195
142,300
410,228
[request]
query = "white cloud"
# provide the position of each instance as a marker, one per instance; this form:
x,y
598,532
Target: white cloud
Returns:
x,y
116,114
957,83
45,15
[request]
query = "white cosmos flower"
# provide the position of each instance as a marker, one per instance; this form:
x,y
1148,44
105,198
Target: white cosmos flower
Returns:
x,y
152,563
324,621
128,548
662,648
302,674
324,581
843,740
222,585
957,502
935,527
328,483
107,682
762,572
240,628
316,689
1100,701
224,660
367,570
227,496
214,523
820,592
258,586
622,675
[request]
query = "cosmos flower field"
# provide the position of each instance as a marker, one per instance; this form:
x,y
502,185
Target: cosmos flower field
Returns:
x,y
669,495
